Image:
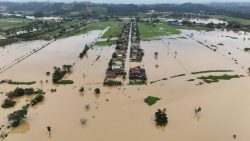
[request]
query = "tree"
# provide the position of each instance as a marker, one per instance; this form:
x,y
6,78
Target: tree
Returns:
x,y
161,117
7,103
16,117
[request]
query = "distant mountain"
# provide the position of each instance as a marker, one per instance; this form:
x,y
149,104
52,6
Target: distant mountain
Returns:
x,y
123,9
232,6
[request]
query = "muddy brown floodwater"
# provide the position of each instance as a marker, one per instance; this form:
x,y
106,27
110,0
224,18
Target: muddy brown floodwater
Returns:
x,y
125,116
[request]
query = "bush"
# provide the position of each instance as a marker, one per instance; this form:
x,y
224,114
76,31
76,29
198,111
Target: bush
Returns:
x,y
21,83
150,100
7,103
65,82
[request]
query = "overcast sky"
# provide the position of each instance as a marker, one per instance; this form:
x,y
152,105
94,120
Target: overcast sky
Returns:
x,y
136,1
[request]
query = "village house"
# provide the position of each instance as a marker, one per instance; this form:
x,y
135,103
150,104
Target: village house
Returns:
x,y
173,22
110,74
136,53
137,73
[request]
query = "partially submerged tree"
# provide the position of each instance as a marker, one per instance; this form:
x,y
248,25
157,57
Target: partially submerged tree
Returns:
x,y
81,89
197,110
7,103
161,117
83,121
97,91
17,116
156,54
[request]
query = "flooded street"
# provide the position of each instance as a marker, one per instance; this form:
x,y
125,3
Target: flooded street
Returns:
x,y
120,114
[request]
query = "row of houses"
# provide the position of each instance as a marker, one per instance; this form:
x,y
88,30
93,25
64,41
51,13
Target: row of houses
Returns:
x,y
181,21
116,67
137,74
136,52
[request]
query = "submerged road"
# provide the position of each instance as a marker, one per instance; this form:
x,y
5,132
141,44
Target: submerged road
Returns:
x,y
127,62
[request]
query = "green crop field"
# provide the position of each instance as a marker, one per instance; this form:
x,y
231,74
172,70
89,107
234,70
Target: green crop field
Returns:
x,y
9,23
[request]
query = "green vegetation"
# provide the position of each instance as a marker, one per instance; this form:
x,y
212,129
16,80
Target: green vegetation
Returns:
x,y
60,73
100,26
178,75
161,118
232,19
7,103
210,71
112,83
21,92
8,41
212,78
13,22
16,117
137,82
106,43
150,100
114,30
84,52
21,83
160,29
38,98
148,31
65,82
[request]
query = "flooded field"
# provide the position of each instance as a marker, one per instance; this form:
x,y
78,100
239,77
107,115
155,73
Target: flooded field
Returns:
x,y
119,113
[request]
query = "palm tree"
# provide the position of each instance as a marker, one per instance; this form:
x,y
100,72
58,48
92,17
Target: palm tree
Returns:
x,y
197,110
161,117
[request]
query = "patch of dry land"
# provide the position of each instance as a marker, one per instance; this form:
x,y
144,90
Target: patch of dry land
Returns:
x,y
75,112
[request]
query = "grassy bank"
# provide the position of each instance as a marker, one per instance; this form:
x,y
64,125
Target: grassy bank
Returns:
x,y
105,43
213,78
65,82
211,71
21,83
